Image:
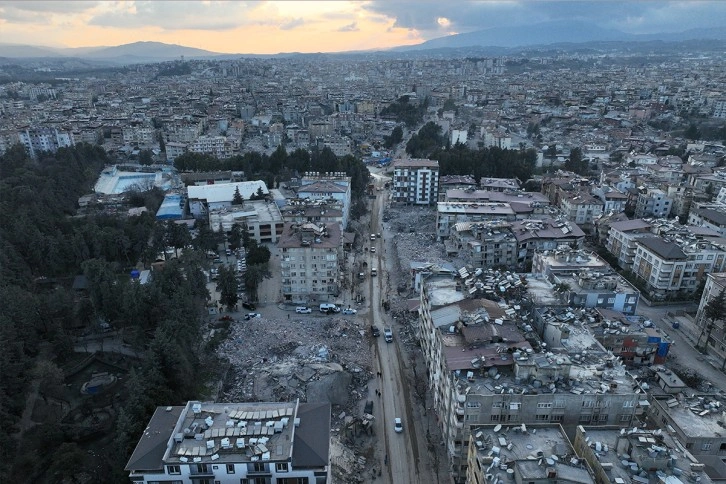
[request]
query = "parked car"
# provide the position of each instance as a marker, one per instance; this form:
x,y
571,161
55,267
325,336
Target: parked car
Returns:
x,y
373,250
388,335
303,310
375,331
349,311
373,236
249,316
397,425
249,305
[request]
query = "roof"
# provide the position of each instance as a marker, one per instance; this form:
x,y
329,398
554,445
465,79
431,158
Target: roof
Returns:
x,y
312,437
416,163
322,186
666,250
628,225
224,192
715,216
150,450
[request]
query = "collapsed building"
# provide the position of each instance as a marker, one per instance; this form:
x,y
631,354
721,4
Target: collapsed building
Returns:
x,y
487,365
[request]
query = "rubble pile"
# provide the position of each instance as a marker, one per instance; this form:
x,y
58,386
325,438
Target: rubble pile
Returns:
x,y
421,220
313,359
418,247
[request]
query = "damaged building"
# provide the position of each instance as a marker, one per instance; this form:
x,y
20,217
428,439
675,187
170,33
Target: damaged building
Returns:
x,y
487,365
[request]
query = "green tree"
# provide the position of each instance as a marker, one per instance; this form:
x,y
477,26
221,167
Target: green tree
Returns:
x,y
227,285
234,237
177,236
146,157
692,132
255,274
258,254
237,198
575,163
713,311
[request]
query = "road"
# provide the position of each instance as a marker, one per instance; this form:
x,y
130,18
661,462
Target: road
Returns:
x,y
682,352
403,451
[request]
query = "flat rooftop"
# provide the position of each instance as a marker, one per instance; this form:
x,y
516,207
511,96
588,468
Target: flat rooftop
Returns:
x,y
474,208
246,432
530,450
612,445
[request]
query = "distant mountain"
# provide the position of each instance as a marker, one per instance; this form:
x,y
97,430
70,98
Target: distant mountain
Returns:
x,y
136,52
14,50
555,32
146,50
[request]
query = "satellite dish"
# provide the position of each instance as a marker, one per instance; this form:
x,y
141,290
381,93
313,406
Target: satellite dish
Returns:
x,y
497,428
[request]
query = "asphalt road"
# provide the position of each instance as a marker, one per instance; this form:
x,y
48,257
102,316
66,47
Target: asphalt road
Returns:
x,y
404,453
682,351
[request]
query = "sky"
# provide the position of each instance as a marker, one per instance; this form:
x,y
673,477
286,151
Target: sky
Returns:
x,y
270,27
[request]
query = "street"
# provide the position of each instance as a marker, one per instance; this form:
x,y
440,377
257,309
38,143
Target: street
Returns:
x,y
405,452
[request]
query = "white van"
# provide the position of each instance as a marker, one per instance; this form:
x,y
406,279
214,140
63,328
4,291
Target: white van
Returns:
x,y
329,308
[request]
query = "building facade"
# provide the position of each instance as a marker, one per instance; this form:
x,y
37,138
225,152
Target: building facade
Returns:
x,y
310,255
234,443
416,181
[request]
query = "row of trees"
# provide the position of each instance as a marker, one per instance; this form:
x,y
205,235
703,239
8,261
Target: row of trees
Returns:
x,y
429,142
406,112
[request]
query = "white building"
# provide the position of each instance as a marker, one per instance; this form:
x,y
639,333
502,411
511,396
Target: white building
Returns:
x,y
416,181
40,139
309,262
262,218
327,186
233,443
204,198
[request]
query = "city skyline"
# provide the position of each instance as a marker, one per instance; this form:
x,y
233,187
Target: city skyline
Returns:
x,y
287,26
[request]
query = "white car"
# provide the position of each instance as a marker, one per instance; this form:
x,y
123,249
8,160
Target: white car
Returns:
x,y
303,310
397,425
349,311
373,250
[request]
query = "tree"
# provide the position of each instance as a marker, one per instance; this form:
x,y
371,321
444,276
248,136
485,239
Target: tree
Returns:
x,y
237,198
715,310
692,132
234,237
258,195
146,157
227,285
258,254
177,236
255,274
575,163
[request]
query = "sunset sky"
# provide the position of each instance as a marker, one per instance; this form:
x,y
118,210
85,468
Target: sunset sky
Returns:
x,y
259,27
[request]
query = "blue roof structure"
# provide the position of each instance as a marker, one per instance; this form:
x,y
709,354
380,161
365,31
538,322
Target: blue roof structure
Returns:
x,y
172,208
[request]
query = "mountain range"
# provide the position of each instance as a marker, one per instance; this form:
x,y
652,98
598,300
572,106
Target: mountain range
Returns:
x,y
496,39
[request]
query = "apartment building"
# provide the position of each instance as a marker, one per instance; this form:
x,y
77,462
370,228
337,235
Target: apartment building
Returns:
x,y
653,454
300,211
45,138
580,207
653,202
310,255
484,244
671,266
636,342
448,214
416,181
484,369
712,216
138,135
327,186
546,234
716,343
622,239
523,453
233,443
693,420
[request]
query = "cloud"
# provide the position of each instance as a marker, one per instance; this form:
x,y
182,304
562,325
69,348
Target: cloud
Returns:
x,y
351,27
292,24
632,17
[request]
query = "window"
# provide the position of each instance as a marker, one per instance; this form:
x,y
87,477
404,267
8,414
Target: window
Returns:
x,y
544,405
689,445
497,405
556,418
281,467
588,404
173,469
706,446
494,418
230,468
625,418
628,404
542,418
514,405
473,404
585,418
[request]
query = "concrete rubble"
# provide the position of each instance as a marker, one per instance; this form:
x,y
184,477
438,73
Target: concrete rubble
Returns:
x,y
313,359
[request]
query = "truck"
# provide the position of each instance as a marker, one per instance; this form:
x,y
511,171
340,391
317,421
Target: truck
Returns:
x,y
328,308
